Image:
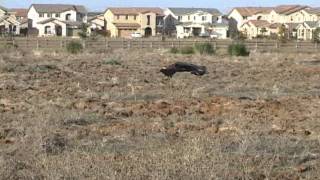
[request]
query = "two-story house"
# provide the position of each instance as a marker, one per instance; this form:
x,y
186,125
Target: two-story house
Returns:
x,y
96,21
194,21
8,23
122,22
250,20
57,19
21,16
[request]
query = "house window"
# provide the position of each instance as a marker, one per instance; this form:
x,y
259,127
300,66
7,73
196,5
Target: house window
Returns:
x,y
47,30
41,15
57,15
204,18
245,17
49,15
194,17
148,19
189,18
291,18
68,17
118,17
135,17
127,17
179,18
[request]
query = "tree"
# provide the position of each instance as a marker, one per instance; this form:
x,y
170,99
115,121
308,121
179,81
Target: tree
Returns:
x,y
84,31
282,33
316,35
263,31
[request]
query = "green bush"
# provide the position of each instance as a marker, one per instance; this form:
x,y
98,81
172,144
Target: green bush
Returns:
x,y
74,47
187,50
112,62
174,50
238,50
204,48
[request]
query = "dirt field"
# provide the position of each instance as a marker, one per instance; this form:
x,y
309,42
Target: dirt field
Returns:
x,y
114,116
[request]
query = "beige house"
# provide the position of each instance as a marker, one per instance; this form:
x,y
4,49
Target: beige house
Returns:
x,y
259,28
122,22
8,23
96,21
305,30
288,15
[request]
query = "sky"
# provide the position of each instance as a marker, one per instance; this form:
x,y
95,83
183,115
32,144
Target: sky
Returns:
x,y
101,5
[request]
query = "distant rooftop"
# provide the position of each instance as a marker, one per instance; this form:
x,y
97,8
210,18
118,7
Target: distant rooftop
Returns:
x,y
135,10
58,8
183,11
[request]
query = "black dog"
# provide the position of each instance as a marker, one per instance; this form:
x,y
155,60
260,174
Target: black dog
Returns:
x,y
184,67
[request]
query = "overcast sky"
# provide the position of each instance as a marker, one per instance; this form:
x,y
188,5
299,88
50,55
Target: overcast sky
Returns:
x,y
101,5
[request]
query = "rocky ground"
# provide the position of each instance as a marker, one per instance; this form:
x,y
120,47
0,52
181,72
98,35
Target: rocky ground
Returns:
x,y
114,116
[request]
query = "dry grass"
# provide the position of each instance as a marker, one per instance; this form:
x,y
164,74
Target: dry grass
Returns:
x,y
77,117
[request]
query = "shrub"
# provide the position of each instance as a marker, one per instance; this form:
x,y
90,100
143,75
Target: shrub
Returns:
x,y
74,47
187,50
204,48
238,50
112,62
174,50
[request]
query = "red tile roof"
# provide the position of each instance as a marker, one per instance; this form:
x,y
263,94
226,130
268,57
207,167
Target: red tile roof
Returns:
x,y
20,12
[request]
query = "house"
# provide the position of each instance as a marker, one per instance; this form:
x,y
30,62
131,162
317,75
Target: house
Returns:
x,y
193,22
220,29
96,21
8,23
306,30
122,22
260,28
288,15
240,15
21,16
57,19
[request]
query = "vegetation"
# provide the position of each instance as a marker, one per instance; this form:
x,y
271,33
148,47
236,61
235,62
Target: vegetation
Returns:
x,y
282,34
174,50
238,50
263,31
74,47
204,48
201,48
69,117
187,50
316,35
84,31
112,61
183,50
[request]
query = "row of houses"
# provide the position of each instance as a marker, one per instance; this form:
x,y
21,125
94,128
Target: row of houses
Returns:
x,y
45,20
299,22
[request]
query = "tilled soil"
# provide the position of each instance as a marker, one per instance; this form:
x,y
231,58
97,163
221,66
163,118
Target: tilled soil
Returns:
x,y
115,116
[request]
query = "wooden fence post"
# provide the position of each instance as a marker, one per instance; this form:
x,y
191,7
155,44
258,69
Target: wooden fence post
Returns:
x,y
61,43
141,44
37,44
84,44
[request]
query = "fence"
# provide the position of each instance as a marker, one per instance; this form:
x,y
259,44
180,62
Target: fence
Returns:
x,y
105,44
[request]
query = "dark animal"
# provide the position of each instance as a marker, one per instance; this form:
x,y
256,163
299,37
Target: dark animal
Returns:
x,y
184,67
